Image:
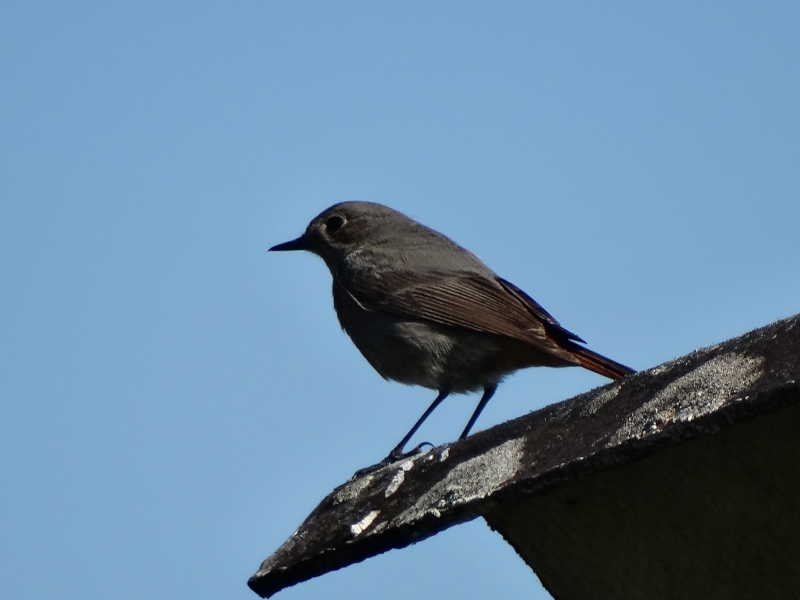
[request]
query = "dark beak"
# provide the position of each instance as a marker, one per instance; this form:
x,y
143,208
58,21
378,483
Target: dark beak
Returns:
x,y
298,244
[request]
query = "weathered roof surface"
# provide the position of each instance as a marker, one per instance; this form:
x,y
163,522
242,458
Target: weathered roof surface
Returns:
x,y
679,481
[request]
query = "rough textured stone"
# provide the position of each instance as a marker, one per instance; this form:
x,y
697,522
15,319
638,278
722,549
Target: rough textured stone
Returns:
x,y
677,482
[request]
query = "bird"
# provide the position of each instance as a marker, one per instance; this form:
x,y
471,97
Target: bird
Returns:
x,y
424,311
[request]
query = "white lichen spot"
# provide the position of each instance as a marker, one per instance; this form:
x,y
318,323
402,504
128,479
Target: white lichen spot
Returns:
x,y
358,528
444,455
399,478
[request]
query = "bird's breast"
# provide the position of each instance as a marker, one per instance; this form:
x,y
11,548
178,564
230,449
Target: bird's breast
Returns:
x,y
424,353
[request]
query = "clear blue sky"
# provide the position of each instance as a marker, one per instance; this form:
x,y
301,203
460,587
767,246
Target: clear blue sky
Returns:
x,y
174,400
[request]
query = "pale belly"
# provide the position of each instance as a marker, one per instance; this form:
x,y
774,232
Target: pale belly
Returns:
x,y
423,353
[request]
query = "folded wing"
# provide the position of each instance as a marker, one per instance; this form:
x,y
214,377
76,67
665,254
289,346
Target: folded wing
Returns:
x,y
459,299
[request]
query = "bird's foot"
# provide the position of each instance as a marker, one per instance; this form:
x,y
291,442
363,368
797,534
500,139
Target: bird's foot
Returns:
x,y
396,455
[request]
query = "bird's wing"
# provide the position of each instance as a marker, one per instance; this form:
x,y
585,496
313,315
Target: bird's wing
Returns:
x,y
537,310
460,299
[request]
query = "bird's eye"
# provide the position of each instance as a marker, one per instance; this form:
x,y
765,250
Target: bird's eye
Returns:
x,y
334,223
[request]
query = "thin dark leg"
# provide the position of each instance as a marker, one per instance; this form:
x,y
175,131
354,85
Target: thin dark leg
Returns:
x,y
397,453
488,392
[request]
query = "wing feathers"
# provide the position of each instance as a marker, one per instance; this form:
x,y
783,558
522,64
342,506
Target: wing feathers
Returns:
x,y
457,299
536,309
472,301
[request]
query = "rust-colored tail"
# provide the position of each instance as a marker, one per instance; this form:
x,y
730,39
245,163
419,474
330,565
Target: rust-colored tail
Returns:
x,y
599,363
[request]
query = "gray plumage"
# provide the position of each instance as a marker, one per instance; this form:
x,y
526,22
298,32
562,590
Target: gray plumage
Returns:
x,y
425,311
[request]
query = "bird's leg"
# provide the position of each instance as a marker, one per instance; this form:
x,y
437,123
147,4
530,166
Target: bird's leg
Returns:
x,y
397,453
488,392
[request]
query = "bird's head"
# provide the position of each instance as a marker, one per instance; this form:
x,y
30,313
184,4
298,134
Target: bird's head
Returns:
x,y
344,228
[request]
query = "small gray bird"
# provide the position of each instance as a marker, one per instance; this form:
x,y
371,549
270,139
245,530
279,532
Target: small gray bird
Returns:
x,y
425,311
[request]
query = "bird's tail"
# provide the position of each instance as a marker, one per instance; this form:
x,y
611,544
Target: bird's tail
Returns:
x,y
599,363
